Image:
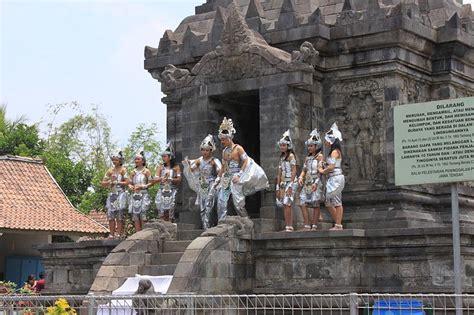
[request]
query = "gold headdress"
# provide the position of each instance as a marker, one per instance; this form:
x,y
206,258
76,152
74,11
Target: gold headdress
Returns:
x,y
226,129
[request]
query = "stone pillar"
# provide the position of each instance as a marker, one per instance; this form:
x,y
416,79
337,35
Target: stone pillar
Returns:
x,y
195,126
174,123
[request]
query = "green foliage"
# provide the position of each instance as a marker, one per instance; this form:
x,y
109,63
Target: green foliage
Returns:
x,y
96,196
143,138
77,151
18,138
73,177
7,287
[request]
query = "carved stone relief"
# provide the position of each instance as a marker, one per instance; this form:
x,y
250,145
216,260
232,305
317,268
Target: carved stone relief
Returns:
x,y
360,106
413,92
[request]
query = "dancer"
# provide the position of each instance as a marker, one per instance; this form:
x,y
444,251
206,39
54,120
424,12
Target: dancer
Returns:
x,y
169,176
117,180
335,181
201,175
239,176
140,180
310,179
286,179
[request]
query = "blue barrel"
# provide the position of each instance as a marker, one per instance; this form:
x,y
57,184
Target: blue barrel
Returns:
x,y
398,307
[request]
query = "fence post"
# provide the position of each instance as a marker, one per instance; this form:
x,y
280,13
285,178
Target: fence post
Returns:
x,y
353,301
90,305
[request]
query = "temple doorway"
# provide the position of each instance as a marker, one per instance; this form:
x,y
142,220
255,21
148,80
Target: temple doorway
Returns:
x,y
243,109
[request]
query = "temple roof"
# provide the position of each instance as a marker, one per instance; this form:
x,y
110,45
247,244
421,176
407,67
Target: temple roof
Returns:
x,y
438,12
284,21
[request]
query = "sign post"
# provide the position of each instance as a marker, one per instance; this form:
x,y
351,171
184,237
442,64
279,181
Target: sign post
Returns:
x,y
434,143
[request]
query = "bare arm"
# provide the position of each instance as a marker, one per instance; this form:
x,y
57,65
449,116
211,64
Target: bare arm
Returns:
x,y
335,155
177,179
106,181
303,173
244,157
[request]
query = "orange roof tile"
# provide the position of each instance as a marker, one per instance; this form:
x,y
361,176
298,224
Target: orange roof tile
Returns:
x,y
99,217
30,199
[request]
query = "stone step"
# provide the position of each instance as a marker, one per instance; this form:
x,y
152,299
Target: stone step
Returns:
x,y
158,270
184,235
166,258
175,246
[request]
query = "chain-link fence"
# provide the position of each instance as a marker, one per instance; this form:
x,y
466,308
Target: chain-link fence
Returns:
x,y
350,304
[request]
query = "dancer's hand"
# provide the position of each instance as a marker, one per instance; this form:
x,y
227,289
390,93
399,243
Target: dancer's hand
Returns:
x,y
300,181
289,192
314,187
236,179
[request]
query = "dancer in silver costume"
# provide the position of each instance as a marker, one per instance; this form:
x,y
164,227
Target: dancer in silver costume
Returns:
x,y
312,188
116,179
335,178
169,176
286,179
240,175
201,175
140,180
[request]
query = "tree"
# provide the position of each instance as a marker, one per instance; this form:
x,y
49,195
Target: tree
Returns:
x,y
77,154
142,139
17,137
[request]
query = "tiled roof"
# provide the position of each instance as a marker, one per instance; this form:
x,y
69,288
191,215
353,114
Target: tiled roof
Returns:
x,y
99,217
30,199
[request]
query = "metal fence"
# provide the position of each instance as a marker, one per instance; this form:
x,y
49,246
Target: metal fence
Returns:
x,y
350,304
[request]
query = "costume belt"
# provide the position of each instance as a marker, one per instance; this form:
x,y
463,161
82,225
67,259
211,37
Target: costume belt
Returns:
x,y
335,172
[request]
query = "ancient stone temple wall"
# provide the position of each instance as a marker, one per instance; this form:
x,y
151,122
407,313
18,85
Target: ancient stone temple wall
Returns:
x,y
305,64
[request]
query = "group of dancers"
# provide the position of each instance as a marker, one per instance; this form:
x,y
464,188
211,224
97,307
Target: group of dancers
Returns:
x,y
221,184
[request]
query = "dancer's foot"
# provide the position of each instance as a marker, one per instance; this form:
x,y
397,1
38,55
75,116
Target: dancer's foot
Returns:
x,y
337,227
289,228
314,227
307,227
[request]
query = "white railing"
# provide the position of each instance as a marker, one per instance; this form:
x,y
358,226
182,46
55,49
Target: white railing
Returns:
x,y
350,304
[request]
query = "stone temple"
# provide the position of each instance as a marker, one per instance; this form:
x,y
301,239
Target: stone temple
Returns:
x,y
303,64
271,65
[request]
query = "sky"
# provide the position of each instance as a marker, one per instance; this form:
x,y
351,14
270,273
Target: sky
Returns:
x,y
90,52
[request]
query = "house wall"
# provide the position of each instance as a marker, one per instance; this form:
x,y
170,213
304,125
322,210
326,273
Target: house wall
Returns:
x,y
19,244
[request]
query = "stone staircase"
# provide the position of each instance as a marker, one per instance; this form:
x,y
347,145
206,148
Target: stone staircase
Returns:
x,y
164,262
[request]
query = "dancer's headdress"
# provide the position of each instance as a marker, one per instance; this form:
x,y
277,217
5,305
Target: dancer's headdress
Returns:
x,y
333,134
118,156
286,139
169,150
315,139
208,143
226,129
141,155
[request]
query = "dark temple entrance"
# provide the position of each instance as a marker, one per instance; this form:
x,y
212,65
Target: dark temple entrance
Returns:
x,y
243,109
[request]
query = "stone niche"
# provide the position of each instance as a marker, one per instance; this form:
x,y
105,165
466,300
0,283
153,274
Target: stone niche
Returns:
x,y
272,65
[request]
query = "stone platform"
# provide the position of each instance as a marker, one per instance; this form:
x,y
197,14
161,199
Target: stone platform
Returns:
x,y
409,260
